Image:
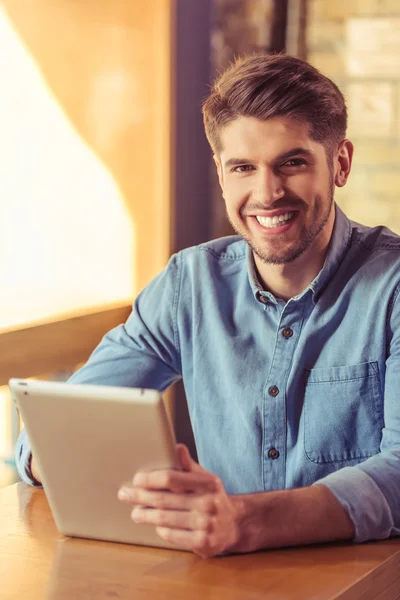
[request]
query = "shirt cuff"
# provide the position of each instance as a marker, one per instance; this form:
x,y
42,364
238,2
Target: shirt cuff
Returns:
x,y
23,458
364,502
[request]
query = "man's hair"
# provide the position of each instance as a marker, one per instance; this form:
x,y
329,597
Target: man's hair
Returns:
x,y
266,86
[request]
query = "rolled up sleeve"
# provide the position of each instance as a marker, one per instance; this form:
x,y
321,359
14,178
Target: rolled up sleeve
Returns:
x,y
364,502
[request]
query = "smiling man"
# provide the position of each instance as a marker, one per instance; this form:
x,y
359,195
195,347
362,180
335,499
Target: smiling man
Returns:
x,y
279,196
287,337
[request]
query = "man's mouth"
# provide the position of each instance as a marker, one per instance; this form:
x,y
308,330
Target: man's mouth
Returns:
x,y
277,221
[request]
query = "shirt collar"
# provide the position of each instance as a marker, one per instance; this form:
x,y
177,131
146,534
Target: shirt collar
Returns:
x,y
338,245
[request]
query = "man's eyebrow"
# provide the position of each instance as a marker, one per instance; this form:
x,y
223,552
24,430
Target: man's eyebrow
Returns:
x,y
295,152
236,162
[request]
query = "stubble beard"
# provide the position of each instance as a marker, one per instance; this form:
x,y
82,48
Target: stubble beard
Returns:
x,y
299,246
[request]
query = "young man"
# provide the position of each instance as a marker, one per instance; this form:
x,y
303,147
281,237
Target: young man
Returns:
x,y
287,336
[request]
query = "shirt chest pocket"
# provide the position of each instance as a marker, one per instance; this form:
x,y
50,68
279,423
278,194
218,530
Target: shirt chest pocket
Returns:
x,y
343,413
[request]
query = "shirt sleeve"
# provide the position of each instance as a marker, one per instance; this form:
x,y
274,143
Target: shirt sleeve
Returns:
x,y
143,352
370,491
23,459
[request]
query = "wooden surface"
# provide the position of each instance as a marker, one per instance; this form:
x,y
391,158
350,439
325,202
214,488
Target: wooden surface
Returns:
x,y
55,346
36,562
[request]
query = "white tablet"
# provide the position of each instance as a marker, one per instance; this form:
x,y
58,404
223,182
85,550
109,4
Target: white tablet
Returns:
x,y
88,441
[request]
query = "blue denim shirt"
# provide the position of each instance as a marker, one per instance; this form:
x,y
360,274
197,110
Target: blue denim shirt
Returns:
x,y
280,394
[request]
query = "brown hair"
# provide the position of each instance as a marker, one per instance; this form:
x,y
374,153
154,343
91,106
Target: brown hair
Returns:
x,y
265,86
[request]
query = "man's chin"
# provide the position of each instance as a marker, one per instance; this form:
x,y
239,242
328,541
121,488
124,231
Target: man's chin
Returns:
x,y
271,256
283,257
277,260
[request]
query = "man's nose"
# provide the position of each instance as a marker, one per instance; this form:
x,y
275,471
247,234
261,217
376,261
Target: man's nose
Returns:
x,y
268,187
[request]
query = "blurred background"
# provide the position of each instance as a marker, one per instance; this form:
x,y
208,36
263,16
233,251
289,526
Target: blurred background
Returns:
x,y
104,166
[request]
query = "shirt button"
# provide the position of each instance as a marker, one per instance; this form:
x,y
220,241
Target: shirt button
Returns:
x,y
273,453
263,299
287,332
273,391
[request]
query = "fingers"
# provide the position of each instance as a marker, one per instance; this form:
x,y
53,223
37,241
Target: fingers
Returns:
x,y
200,541
187,462
204,503
175,519
178,482
189,508
153,499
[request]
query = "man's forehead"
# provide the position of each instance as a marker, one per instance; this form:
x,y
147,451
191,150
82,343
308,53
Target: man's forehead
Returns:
x,y
274,136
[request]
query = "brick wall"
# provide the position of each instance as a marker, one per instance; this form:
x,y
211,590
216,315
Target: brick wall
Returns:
x,y
357,44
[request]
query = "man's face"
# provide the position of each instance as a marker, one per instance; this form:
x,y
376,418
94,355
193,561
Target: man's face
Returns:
x,y
277,185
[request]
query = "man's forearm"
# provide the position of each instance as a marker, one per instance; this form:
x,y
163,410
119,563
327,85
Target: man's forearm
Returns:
x,y
290,518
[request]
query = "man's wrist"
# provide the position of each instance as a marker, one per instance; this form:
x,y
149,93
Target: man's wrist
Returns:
x,y
289,518
247,521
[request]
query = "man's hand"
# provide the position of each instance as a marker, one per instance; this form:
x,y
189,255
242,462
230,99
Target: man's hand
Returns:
x,y
189,508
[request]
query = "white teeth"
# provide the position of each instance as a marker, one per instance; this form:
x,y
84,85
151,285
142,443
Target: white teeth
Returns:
x,y
274,221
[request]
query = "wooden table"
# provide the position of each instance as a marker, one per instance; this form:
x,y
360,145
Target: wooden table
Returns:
x,y
36,562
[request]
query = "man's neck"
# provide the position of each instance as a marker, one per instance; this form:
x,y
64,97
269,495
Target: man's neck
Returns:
x,y
290,279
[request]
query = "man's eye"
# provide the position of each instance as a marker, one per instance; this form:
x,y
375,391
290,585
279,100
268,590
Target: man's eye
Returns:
x,y
242,168
294,162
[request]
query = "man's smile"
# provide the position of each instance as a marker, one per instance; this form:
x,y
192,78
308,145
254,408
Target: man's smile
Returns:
x,y
279,222
276,220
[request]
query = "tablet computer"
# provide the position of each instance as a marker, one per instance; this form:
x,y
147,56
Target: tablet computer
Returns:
x,y
88,441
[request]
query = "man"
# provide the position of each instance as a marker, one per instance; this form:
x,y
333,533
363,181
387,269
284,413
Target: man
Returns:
x,y
287,337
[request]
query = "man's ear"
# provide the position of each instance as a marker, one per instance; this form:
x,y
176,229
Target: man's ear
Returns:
x,y
219,171
344,158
